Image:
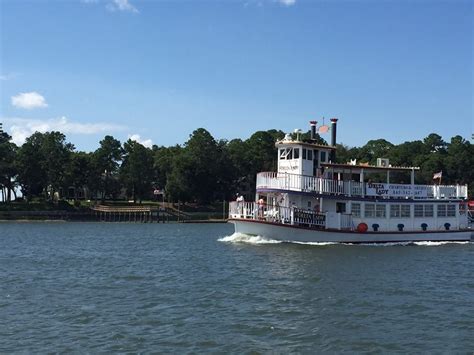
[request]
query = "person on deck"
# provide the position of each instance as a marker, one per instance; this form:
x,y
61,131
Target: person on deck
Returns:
x,y
261,206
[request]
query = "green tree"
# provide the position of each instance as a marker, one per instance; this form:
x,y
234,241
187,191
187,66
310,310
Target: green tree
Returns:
x,y
201,159
261,152
180,180
235,153
434,143
41,163
56,154
378,148
406,154
460,156
106,161
345,153
226,177
199,171
163,158
307,137
137,171
7,166
79,171
31,175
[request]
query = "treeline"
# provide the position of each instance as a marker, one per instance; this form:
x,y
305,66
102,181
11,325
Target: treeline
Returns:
x,y
201,170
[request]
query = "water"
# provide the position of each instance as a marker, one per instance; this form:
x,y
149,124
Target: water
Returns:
x,y
90,287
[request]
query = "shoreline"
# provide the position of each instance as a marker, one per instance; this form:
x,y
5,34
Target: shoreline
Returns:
x,y
26,220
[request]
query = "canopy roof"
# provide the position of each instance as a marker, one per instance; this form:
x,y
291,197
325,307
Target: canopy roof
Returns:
x,y
306,144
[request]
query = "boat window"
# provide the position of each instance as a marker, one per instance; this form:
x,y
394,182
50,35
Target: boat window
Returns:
x,y
323,156
340,207
310,154
375,210
429,211
355,209
451,212
441,210
296,153
369,210
380,211
282,154
400,211
418,211
286,153
304,153
423,211
394,211
405,211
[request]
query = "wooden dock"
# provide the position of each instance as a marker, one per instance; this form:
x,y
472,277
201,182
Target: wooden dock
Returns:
x,y
139,214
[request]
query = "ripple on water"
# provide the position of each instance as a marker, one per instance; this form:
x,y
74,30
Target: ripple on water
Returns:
x,y
200,288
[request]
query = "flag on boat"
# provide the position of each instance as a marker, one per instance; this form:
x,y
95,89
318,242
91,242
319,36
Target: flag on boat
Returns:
x,y
438,175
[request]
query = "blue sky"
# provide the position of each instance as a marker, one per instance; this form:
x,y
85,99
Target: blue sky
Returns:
x,y
157,70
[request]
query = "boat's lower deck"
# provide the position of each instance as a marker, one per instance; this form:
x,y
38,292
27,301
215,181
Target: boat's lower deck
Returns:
x,y
286,232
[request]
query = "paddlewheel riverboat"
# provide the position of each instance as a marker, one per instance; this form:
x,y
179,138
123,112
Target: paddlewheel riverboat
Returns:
x,y
313,199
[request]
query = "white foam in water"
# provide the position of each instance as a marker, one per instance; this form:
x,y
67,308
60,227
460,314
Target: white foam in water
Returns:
x,y
245,238
315,243
434,244
256,239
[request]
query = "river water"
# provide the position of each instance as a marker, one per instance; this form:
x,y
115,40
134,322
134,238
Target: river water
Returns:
x,y
187,288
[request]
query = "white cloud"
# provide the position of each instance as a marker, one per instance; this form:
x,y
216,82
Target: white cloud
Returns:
x,y
29,100
114,5
121,5
287,2
145,142
21,128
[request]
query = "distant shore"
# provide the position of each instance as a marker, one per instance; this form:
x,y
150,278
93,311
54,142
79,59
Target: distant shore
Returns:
x,y
111,211
88,215
196,221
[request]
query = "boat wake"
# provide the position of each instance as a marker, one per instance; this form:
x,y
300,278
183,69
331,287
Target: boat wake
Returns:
x,y
435,244
257,239
241,238
248,239
315,243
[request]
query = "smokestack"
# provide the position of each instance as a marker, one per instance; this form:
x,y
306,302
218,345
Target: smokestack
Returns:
x,y
333,138
313,129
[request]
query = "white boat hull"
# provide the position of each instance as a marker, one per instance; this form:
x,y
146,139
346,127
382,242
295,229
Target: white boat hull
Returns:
x,y
291,233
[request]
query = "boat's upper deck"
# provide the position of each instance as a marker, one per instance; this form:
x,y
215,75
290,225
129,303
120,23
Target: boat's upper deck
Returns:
x,y
305,166
324,186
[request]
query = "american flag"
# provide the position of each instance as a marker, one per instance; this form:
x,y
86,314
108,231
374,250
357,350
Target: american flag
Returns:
x,y
438,175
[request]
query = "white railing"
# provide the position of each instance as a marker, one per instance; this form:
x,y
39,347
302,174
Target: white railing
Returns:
x,y
448,191
276,214
304,183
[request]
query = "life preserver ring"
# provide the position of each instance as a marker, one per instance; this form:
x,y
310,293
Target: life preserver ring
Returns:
x,y
362,227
